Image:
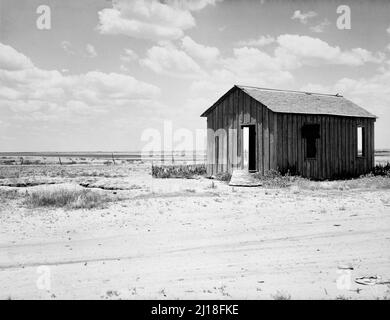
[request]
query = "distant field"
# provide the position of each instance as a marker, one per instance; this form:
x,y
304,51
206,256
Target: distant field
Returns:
x,y
382,156
17,158
37,158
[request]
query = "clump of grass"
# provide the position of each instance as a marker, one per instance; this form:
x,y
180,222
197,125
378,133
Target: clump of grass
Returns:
x,y
8,195
178,171
275,179
382,170
279,295
66,198
223,176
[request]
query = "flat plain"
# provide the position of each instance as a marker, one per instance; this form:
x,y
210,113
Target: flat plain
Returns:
x,y
127,235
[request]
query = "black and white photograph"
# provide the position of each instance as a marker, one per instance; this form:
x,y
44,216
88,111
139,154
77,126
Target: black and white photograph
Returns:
x,y
194,150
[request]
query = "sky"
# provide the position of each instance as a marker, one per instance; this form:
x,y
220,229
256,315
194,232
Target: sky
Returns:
x,y
106,75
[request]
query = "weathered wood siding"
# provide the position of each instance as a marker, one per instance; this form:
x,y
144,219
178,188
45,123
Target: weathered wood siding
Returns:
x,y
279,142
336,147
232,112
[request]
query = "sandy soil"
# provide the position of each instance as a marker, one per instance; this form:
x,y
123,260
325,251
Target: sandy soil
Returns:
x,y
190,239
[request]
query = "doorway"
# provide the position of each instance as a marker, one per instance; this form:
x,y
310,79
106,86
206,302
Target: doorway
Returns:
x,y
217,152
249,147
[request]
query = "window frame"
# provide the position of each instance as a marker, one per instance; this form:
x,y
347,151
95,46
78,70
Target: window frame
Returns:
x,y
363,150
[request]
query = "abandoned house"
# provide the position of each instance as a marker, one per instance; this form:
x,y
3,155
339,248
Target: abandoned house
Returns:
x,y
314,135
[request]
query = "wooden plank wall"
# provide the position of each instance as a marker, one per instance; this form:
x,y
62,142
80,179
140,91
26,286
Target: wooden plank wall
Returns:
x,y
336,147
235,110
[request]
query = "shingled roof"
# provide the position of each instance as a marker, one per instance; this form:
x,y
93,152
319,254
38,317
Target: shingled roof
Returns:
x,y
285,101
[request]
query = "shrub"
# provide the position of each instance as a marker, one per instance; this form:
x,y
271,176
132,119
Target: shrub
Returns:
x,y
66,198
279,295
8,194
179,171
274,179
224,176
382,170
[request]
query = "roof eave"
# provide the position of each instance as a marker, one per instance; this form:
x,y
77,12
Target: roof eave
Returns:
x,y
206,113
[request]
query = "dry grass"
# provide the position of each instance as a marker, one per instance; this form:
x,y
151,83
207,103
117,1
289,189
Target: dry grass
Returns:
x,y
382,170
279,295
66,198
178,171
274,179
6,195
223,176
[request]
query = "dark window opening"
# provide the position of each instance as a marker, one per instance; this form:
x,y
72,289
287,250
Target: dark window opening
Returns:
x,y
311,132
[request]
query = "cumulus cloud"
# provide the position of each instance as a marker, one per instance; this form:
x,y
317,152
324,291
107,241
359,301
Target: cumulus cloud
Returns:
x,y
28,89
253,66
372,93
303,17
199,51
319,28
150,19
259,42
11,61
167,59
91,51
388,30
128,56
299,50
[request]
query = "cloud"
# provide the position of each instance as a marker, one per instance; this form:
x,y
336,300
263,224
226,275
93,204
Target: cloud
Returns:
x,y
192,5
388,30
27,89
91,52
259,42
168,60
11,61
298,50
199,51
303,17
253,66
67,47
150,19
129,56
371,93
319,28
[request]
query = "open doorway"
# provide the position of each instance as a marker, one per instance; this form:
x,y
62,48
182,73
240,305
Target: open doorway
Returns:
x,y
249,147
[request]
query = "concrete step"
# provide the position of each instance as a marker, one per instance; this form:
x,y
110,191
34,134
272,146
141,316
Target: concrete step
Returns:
x,y
243,178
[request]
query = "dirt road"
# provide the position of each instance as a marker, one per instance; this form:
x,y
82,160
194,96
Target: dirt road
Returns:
x,y
193,239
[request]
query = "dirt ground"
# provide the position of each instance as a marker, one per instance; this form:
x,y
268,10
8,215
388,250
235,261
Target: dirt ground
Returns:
x,y
192,239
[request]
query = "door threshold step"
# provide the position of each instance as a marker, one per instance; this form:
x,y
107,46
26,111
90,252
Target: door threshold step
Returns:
x,y
244,178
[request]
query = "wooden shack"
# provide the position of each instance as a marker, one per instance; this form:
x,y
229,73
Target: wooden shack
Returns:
x,y
318,136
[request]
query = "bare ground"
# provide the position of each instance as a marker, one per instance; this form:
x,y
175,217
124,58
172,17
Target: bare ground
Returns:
x,y
190,239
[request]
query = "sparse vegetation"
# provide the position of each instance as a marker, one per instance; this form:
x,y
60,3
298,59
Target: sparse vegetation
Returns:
x,y
66,198
382,170
279,295
8,195
275,179
224,176
178,171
